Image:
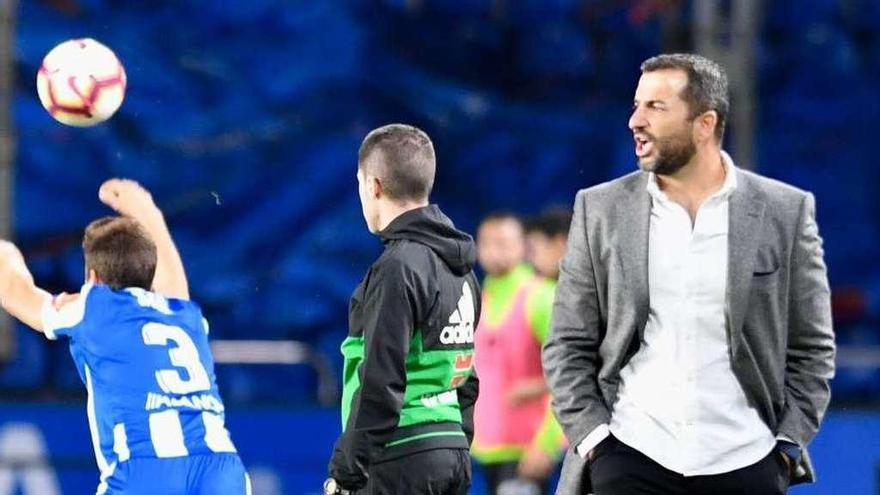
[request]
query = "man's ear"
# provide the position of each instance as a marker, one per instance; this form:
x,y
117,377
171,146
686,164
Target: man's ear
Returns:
x,y
706,124
376,189
92,277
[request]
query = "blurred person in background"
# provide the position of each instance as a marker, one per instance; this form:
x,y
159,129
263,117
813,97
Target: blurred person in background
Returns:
x,y
692,341
408,382
517,440
547,235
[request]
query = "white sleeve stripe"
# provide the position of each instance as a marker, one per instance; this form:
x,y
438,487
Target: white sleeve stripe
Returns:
x,y
68,316
47,315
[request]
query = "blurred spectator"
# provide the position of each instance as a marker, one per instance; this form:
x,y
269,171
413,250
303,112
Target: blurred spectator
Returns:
x,y
547,235
515,437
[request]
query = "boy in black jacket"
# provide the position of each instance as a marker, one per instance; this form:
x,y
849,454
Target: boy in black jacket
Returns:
x,y
408,387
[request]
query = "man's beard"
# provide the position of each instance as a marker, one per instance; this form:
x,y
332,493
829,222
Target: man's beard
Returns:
x,y
673,153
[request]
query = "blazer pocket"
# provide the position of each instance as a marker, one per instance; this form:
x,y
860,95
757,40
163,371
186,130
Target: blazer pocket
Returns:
x,y
765,281
765,272
765,276
765,263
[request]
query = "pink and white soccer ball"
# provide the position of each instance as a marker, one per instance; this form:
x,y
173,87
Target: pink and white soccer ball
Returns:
x,y
81,82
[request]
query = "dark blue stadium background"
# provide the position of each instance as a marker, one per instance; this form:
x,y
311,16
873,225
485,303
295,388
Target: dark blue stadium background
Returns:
x,y
244,119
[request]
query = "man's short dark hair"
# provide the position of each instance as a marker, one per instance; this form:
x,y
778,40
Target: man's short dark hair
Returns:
x,y
402,157
552,222
706,89
121,252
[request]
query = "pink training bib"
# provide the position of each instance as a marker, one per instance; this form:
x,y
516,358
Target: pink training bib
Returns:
x,y
507,354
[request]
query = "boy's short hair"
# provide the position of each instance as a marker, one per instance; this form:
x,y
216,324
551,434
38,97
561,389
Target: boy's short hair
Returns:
x,y
120,252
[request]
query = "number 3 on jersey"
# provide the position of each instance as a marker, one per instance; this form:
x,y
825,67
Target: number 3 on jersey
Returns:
x,y
185,356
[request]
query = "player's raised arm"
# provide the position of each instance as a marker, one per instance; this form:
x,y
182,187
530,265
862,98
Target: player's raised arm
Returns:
x,y
128,198
18,294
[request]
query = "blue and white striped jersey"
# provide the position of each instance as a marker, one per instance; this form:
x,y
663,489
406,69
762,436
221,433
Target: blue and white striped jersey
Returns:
x,y
149,372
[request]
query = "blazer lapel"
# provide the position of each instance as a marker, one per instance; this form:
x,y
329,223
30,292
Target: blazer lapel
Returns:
x,y
633,219
746,215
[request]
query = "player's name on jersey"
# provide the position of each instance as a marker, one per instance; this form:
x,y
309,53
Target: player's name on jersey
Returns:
x,y
202,402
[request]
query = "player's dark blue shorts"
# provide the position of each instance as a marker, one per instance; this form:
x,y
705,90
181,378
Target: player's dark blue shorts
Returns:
x,y
210,474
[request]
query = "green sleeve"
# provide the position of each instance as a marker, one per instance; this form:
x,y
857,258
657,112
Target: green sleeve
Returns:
x,y
539,309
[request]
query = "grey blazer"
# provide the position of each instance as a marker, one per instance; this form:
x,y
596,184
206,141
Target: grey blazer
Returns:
x,y
778,310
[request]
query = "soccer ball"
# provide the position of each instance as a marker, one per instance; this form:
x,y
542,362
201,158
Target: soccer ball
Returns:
x,y
81,83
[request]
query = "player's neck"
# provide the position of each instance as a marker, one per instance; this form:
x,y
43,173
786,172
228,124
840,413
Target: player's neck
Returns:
x,y
390,210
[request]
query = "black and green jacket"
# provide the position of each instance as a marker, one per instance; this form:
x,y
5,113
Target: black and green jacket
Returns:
x,y
408,380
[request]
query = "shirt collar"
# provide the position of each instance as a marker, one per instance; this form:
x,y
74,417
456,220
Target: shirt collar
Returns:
x,y
727,187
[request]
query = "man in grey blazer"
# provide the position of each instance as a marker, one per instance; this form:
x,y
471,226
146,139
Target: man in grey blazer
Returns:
x,y
692,346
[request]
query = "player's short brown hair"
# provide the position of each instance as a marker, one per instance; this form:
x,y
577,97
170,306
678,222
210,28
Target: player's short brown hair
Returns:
x,y
402,157
121,252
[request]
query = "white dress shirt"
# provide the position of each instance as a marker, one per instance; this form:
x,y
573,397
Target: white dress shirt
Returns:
x,y
679,402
